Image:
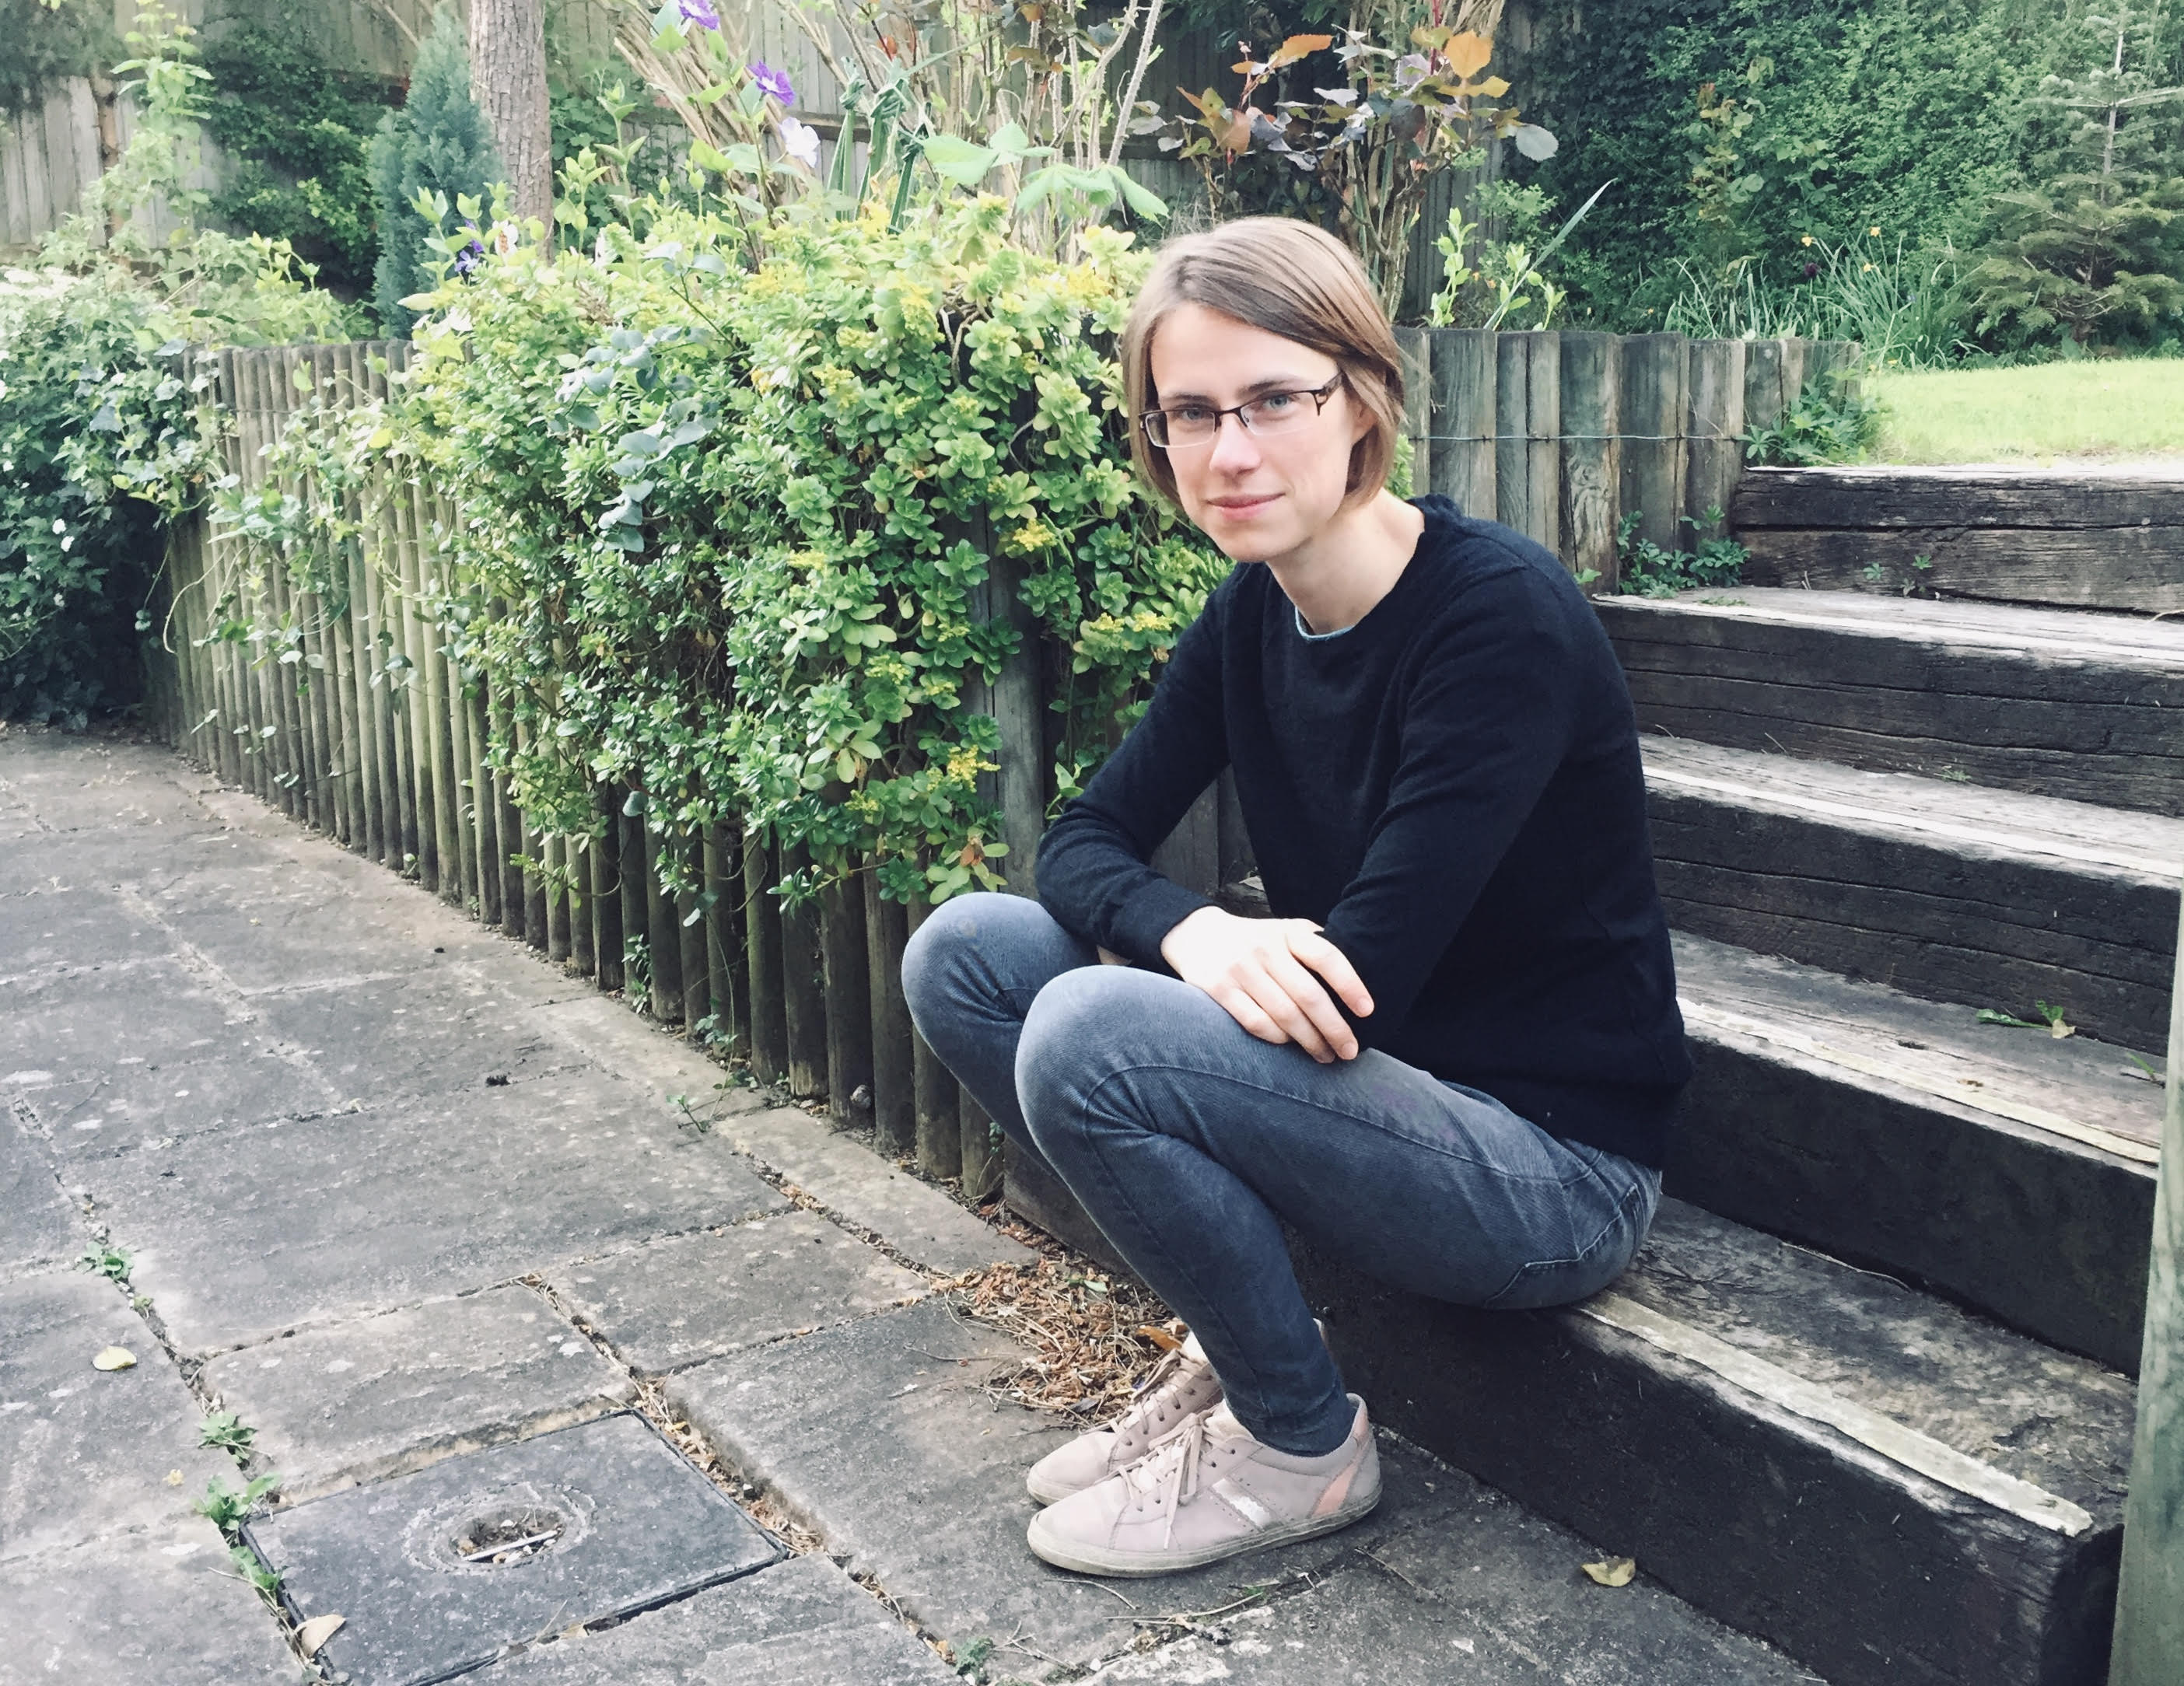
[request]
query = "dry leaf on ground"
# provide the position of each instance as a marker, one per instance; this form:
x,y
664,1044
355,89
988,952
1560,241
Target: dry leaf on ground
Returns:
x,y
1613,1571
1092,1334
316,1631
115,1358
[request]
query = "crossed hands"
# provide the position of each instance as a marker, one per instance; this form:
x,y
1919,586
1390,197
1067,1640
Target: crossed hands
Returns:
x,y
1263,973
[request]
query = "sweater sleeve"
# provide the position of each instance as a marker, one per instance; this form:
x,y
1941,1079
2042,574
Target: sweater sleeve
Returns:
x,y
1488,721
1092,872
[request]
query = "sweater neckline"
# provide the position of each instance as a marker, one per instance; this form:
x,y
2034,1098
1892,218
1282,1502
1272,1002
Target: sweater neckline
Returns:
x,y
1438,512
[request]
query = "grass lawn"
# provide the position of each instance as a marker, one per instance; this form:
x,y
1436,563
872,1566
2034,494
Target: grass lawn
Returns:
x,y
2112,409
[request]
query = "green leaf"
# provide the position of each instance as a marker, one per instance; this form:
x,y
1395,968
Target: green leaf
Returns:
x,y
958,160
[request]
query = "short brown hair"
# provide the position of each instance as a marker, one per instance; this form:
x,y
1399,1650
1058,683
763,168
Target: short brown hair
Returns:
x,y
1291,279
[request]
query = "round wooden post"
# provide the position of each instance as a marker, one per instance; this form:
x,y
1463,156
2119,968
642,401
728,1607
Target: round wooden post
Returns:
x,y
1656,411
1592,455
803,993
981,1152
1716,427
665,930
938,1119
894,1096
1462,380
607,943
846,966
690,927
769,1025
728,975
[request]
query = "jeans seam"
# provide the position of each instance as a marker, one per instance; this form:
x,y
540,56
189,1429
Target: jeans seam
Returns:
x,y
1339,1112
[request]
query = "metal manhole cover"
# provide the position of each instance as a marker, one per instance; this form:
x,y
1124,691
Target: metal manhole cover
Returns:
x,y
439,1571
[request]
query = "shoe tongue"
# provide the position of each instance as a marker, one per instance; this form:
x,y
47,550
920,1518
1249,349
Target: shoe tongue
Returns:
x,y
1192,1350
1222,1425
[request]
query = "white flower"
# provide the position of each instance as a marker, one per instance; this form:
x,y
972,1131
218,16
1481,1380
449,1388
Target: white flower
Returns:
x,y
69,543
800,141
603,252
3,389
59,526
504,239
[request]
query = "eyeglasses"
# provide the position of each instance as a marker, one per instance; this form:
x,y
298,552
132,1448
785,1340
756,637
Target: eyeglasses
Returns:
x,y
1192,424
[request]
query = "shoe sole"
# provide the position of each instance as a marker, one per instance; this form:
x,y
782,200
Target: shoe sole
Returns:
x,y
1091,1559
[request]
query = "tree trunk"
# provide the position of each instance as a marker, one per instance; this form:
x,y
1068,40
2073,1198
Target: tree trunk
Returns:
x,y
508,77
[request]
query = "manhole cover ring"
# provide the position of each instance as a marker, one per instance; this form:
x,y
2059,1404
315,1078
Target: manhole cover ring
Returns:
x,y
496,1531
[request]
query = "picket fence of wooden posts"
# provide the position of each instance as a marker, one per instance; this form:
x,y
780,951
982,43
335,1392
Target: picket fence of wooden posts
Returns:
x,y
350,717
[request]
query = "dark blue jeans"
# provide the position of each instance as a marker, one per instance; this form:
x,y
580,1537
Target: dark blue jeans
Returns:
x,y
1189,1141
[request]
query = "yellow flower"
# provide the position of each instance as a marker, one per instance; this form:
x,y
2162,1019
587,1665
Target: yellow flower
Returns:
x,y
1805,239
1864,266
1874,230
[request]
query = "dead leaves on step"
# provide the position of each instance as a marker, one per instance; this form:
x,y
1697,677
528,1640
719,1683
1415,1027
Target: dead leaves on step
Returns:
x,y
1611,1571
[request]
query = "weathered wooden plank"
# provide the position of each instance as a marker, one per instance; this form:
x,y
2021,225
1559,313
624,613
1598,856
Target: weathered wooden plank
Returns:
x,y
725,960
1592,455
1463,371
1955,498
1019,711
1983,897
1792,1125
1763,382
2139,568
1933,692
1190,855
696,959
1655,413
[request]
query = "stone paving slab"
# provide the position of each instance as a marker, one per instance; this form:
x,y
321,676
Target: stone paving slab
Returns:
x,y
246,1233
160,1606
801,1623
1514,1580
48,924
678,1302
847,1178
72,781
85,1451
38,1226
389,1036
629,1524
874,1434
141,1101
385,1395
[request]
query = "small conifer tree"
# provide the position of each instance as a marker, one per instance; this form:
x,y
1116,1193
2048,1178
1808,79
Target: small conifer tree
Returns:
x,y
437,142
2097,247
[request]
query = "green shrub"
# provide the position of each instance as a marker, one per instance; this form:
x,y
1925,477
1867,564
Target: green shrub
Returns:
x,y
297,134
101,442
1644,569
737,527
1832,421
436,144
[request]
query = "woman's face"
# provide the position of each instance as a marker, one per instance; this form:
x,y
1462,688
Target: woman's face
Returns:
x,y
1261,497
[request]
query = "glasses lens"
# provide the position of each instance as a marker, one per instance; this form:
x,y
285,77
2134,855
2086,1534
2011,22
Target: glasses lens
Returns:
x,y
1279,411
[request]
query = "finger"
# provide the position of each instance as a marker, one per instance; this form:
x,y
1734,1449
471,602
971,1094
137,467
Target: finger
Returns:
x,y
1283,1007
1329,1028
1315,951
1246,1012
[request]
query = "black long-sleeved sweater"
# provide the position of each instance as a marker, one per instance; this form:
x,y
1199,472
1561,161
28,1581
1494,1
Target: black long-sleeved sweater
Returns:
x,y
1453,788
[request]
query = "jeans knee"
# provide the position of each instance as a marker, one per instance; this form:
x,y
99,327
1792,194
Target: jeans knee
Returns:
x,y
937,948
1083,1026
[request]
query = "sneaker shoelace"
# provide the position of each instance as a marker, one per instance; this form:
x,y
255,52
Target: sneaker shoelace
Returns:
x,y
1168,1475
1147,1414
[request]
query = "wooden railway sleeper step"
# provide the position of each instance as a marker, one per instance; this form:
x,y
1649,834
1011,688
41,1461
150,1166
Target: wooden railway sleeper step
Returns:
x,y
1987,898
1890,1490
2089,708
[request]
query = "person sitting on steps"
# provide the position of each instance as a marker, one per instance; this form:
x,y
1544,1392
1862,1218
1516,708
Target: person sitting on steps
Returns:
x,y
1449,1057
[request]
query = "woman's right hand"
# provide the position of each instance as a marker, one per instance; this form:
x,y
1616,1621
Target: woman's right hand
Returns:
x,y
1272,976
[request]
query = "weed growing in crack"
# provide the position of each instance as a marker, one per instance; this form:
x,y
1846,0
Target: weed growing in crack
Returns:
x,y
226,1432
224,1507
107,1260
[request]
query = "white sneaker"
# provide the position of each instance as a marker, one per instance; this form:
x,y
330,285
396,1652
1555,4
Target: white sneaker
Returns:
x,y
1209,1492
1181,1387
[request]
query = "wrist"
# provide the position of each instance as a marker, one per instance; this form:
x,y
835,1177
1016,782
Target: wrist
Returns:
x,y
1200,917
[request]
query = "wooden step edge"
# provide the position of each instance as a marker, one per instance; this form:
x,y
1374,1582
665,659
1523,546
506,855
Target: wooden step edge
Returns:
x,y
1904,1446
1894,820
1938,633
1907,1075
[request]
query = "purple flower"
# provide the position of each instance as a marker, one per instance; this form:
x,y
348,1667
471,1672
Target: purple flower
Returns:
x,y
770,80
469,258
700,12
1811,270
